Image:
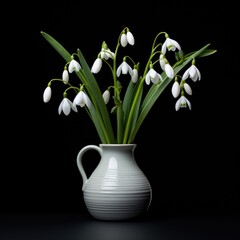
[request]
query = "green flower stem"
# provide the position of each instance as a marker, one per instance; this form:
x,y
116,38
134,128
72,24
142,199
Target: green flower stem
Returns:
x,y
155,40
119,112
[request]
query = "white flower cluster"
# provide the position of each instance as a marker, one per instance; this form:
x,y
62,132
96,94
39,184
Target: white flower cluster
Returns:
x,y
179,87
193,73
81,99
152,75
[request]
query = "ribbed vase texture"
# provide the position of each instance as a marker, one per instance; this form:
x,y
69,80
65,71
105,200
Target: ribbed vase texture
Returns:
x,y
117,189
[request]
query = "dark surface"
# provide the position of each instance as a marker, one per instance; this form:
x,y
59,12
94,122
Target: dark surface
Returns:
x,y
72,227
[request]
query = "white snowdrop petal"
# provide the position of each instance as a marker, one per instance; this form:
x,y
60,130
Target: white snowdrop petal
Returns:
x,y
147,79
178,104
176,44
47,94
187,88
194,78
156,79
123,40
164,48
162,64
74,107
87,100
65,76
97,65
175,89
189,104
152,73
124,68
198,73
70,67
130,70
106,96
192,71
76,100
119,69
60,107
130,38
169,71
76,65
185,75
66,107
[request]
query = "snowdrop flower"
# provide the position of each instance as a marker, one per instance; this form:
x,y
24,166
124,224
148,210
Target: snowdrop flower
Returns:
x,y
170,45
162,61
47,94
153,76
135,75
165,66
193,73
175,89
65,76
106,53
97,65
106,96
74,66
127,38
182,102
65,106
124,68
82,99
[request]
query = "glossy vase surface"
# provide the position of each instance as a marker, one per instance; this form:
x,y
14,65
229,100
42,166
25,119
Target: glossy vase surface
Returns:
x,y
117,189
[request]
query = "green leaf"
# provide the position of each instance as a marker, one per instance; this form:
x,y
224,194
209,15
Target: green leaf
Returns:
x,y
207,53
57,46
96,95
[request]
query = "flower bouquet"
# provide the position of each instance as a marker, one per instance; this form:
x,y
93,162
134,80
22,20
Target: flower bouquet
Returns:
x,y
118,110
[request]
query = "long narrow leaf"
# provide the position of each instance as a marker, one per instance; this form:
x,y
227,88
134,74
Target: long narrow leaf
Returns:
x,y
57,46
97,94
132,114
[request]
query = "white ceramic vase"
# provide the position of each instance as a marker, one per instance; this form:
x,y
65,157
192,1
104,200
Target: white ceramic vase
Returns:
x,y
117,189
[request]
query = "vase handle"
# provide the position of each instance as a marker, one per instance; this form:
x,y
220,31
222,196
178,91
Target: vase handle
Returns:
x,y
79,161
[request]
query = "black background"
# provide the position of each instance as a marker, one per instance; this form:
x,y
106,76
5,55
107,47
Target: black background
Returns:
x,y
191,158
